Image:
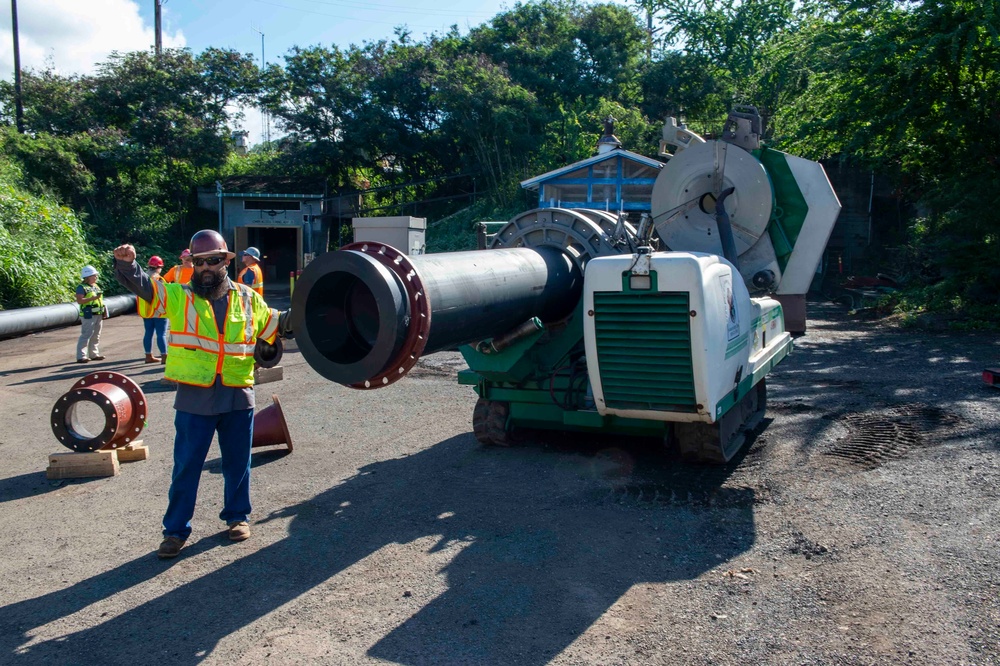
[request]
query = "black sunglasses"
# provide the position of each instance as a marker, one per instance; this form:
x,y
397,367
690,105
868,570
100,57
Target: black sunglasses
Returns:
x,y
211,261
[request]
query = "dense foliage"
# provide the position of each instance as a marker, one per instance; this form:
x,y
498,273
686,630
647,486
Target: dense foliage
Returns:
x,y
42,246
445,127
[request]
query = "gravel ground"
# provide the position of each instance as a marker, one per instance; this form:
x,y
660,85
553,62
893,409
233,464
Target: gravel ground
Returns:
x,y
859,527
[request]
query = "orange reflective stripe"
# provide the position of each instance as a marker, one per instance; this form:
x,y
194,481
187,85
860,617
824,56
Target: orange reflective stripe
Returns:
x,y
271,327
159,298
190,313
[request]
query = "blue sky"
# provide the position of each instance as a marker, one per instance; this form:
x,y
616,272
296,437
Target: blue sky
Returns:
x,y
286,23
73,36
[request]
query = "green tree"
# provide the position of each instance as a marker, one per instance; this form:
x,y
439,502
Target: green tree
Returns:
x,y
910,88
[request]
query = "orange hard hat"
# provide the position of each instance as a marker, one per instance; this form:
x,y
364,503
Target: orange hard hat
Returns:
x,y
155,262
207,242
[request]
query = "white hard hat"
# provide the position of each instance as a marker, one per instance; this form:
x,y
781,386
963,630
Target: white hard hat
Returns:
x,y
253,252
87,271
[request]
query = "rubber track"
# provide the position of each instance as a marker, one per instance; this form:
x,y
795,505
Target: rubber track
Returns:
x,y
489,422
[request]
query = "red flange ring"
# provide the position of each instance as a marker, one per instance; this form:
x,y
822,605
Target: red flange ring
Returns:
x,y
121,400
420,312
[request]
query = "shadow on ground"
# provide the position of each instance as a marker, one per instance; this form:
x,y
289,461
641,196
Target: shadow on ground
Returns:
x,y
548,540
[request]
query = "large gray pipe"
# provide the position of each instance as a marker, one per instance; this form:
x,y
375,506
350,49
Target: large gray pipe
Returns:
x,y
29,320
363,315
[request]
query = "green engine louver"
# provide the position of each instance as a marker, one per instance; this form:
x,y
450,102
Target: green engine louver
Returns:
x,y
644,347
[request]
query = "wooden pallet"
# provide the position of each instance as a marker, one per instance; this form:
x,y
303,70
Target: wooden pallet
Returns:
x,y
82,465
133,452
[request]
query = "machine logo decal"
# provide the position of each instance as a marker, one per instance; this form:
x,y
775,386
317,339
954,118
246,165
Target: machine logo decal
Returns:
x,y
729,303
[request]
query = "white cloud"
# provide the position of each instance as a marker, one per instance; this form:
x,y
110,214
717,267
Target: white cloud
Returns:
x,y
73,36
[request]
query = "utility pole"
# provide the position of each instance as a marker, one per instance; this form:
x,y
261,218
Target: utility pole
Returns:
x,y
18,105
159,27
265,122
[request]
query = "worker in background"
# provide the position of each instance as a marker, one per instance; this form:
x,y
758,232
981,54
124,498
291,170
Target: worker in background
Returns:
x,y
89,298
181,274
217,329
252,276
153,323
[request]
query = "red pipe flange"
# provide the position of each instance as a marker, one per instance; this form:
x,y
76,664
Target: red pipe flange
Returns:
x,y
118,397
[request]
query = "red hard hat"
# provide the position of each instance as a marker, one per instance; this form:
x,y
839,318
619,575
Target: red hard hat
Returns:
x,y
155,262
208,242
185,253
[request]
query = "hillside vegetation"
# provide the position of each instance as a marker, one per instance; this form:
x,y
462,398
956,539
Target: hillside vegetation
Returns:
x,y
42,246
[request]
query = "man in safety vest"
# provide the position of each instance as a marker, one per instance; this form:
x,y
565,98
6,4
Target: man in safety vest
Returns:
x,y
91,301
217,328
181,274
252,276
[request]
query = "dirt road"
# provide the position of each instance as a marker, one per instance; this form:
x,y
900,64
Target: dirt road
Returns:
x,y
862,526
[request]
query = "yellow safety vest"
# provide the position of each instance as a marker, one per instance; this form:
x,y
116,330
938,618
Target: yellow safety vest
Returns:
x,y
197,352
145,308
258,278
96,307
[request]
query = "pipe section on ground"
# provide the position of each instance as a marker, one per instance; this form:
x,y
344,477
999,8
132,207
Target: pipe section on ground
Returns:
x,y
365,314
119,400
29,320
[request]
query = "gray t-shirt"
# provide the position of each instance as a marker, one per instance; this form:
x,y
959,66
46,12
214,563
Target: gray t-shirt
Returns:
x,y
204,401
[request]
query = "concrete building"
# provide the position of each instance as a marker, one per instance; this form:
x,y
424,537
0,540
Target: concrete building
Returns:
x,y
283,217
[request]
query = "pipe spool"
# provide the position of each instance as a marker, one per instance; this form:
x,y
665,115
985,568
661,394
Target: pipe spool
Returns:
x,y
118,397
366,313
270,428
29,320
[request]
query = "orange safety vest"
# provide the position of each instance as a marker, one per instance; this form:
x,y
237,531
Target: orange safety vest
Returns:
x,y
179,274
258,278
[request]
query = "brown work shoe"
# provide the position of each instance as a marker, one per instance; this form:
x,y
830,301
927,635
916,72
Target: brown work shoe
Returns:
x,y
152,359
163,359
170,547
97,358
239,531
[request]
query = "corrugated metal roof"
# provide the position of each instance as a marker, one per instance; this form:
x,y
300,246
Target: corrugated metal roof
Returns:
x,y
273,185
532,183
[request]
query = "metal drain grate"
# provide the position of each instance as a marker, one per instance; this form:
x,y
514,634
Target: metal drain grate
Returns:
x,y
880,435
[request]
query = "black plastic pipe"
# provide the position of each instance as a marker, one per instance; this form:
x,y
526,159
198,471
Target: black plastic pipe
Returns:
x,y
364,314
29,320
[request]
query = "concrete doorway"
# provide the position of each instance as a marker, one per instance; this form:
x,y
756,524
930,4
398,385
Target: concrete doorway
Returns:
x,y
281,253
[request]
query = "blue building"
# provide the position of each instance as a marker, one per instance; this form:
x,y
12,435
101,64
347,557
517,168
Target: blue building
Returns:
x,y
614,179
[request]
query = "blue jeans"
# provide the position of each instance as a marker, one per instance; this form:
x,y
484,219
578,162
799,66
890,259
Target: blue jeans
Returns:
x,y
194,437
159,326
